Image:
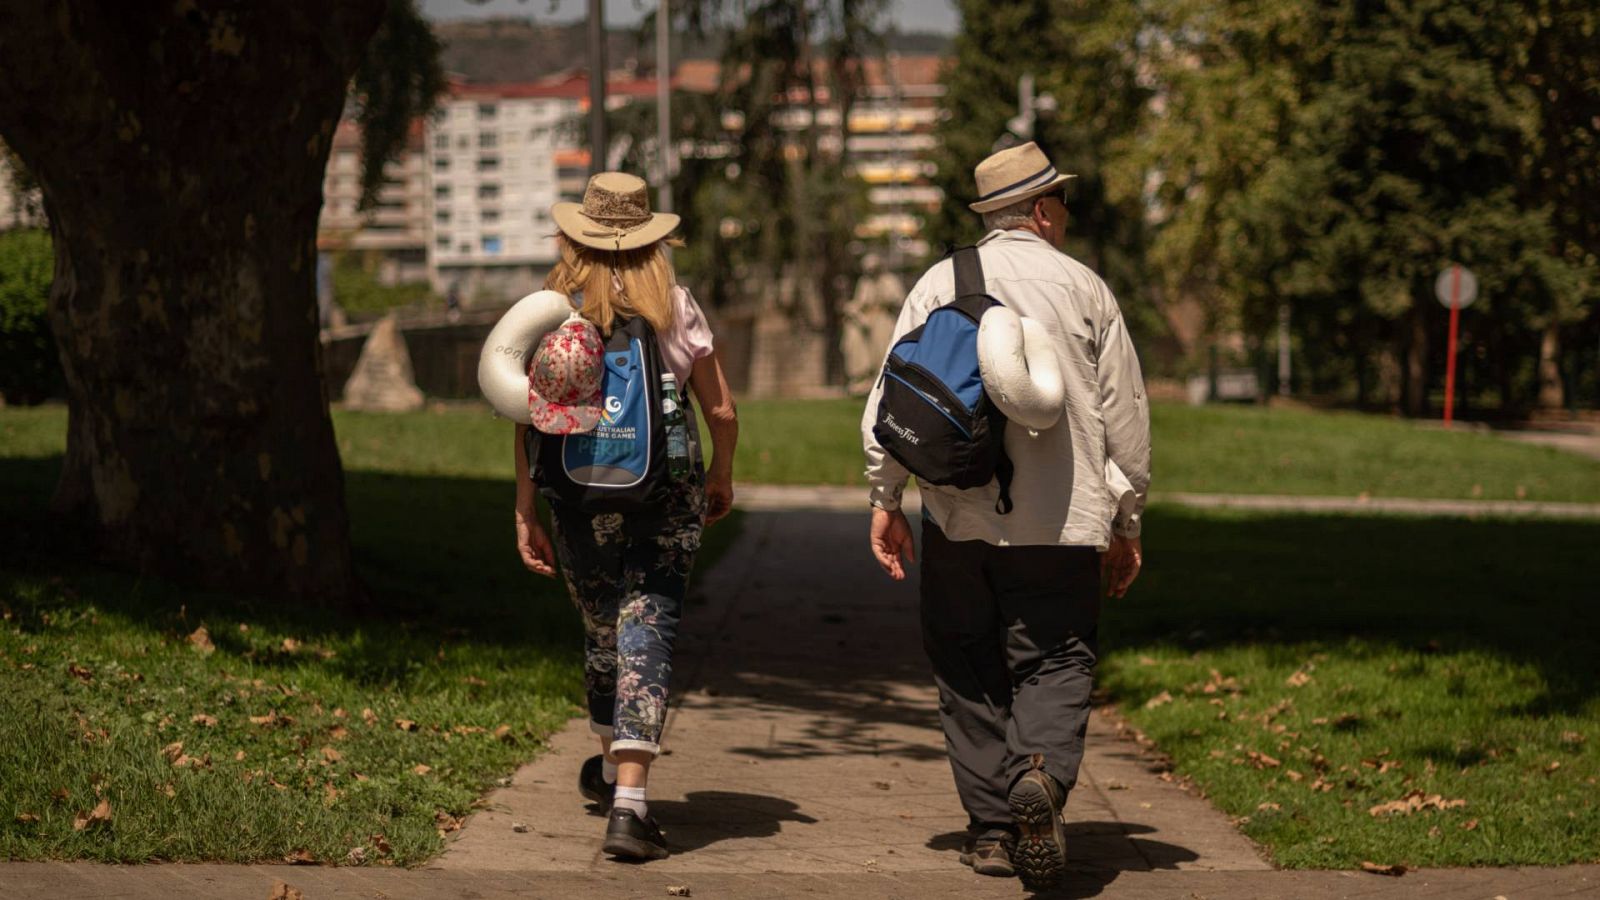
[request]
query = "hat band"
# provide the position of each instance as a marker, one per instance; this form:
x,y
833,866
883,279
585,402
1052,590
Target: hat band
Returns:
x,y
1043,176
634,221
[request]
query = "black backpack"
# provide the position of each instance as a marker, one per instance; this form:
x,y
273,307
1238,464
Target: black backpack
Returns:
x,y
935,416
621,466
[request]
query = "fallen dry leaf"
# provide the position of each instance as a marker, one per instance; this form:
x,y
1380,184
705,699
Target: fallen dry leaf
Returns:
x,y
503,733
301,857
475,681
368,716
519,827
239,757
1376,869
356,856
1269,805
60,795
27,818
200,640
270,719
339,713
100,815
203,719
381,844
421,769
1554,765
290,645
331,755
1160,699
1469,825
445,822
677,890
1262,760
173,751
338,732
330,794
405,724
1300,678
82,673
282,891
1414,801
1292,775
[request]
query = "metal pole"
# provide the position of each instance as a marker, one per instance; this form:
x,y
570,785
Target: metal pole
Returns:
x,y
664,105
597,86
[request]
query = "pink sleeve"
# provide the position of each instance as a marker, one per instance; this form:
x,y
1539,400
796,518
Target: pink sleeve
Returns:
x,y
689,339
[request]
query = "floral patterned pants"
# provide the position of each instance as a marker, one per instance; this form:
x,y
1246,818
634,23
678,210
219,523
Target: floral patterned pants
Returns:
x,y
628,575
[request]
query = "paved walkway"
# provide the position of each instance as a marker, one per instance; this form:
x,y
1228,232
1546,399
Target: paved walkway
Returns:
x,y
843,499
805,761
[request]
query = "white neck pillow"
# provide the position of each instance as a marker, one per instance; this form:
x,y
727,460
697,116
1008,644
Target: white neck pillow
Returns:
x,y
503,364
1017,359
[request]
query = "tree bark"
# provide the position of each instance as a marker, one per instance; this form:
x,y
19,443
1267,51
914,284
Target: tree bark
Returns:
x,y
1552,393
1416,357
180,149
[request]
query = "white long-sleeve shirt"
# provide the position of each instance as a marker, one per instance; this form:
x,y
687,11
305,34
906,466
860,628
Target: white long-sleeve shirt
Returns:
x,y
1071,480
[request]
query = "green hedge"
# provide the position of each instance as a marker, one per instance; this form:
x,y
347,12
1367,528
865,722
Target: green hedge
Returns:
x,y
30,371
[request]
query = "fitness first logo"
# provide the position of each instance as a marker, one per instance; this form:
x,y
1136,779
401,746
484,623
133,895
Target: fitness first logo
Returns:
x,y
905,433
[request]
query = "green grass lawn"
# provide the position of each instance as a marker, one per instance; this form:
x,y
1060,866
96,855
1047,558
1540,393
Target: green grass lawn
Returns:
x,y
300,729
1304,670
1222,449
1453,658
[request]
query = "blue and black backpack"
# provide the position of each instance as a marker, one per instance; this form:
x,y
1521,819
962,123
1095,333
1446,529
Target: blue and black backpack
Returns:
x,y
934,416
620,466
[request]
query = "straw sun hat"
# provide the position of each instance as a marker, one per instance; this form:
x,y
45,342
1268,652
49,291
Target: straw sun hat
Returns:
x,y
614,215
1014,174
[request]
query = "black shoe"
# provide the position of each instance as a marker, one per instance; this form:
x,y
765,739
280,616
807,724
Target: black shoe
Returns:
x,y
630,837
1041,854
990,854
592,782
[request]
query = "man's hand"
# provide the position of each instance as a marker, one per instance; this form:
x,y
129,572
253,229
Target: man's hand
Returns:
x,y
534,545
719,494
1120,564
891,537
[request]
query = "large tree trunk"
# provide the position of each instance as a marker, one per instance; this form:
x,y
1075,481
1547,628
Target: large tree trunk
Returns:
x,y
180,148
1416,357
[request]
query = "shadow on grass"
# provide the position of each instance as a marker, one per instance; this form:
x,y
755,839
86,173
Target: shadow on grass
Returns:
x,y
436,555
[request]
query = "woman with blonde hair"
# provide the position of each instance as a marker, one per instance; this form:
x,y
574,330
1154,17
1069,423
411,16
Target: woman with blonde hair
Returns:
x,y
628,571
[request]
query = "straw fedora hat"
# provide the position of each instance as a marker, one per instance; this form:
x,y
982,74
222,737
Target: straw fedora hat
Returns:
x,y
1014,174
614,215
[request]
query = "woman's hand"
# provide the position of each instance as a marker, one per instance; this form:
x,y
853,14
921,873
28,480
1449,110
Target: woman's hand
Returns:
x,y
534,545
719,494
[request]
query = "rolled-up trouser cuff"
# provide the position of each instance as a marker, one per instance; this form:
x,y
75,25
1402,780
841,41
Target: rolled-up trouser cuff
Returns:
x,y
605,731
650,747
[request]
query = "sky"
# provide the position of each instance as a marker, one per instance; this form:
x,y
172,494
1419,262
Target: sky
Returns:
x,y
908,15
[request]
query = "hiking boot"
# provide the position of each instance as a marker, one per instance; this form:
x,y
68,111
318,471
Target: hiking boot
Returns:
x,y
990,854
592,782
1041,854
630,837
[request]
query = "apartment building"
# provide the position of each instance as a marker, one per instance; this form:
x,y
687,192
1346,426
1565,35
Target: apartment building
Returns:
x,y
394,234
890,137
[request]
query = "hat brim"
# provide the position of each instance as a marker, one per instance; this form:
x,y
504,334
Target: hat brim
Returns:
x,y
574,224
561,418
983,206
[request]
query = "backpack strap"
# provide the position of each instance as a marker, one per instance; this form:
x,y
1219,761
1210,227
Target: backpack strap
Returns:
x,y
1003,472
969,273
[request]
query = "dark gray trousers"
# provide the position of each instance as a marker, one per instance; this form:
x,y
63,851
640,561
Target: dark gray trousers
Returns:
x,y
1011,634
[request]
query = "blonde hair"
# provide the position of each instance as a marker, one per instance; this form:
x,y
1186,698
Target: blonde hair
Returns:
x,y
617,283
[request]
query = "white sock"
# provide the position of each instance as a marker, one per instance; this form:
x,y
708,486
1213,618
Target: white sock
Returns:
x,y
631,798
608,770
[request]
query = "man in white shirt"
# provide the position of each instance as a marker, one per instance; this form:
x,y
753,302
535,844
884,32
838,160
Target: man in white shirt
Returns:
x,y
1010,602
